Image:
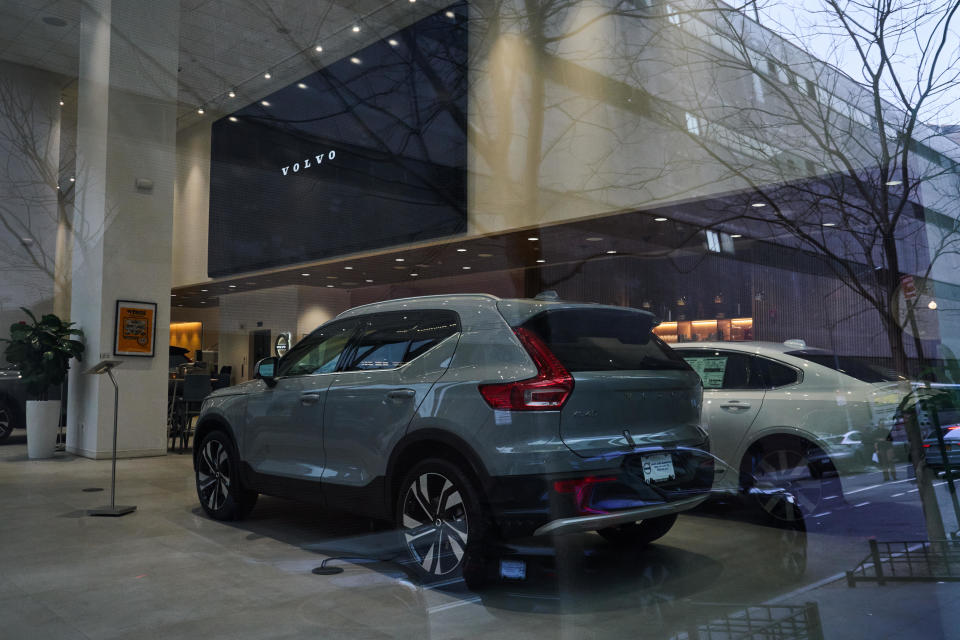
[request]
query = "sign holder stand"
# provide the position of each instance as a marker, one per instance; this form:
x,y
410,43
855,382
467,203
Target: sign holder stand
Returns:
x,y
107,367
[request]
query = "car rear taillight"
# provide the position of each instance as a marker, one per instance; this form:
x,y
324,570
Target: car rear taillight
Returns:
x,y
546,391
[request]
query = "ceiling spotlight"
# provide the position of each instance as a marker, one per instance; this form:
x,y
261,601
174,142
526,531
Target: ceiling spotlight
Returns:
x,y
204,290
485,255
61,102
329,286
612,251
231,94
450,14
356,28
412,1
200,110
932,305
331,277
301,85
173,295
659,219
533,238
829,224
392,42
355,60
265,103
348,268
267,75
466,268
368,280
305,274
233,119
541,260
891,183
594,239
461,250
318,49
414,275
398,259
735,235
203,302
231,286
73,179
758,205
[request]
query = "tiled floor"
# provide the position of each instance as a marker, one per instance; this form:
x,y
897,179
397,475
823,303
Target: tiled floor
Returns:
x,y
167,571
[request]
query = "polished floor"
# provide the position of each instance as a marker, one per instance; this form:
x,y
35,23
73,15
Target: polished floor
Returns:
x,y
167,571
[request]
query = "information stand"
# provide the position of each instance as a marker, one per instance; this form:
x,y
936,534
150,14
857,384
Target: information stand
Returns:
x,y
107,367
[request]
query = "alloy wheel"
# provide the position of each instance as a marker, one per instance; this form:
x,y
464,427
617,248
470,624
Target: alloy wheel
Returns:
x,y
213,474
435,524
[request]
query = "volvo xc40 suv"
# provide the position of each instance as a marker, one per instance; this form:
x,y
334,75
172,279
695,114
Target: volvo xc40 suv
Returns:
x,y
465,419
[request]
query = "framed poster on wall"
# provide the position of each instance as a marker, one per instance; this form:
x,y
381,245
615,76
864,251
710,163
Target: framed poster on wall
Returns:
x,y
135,331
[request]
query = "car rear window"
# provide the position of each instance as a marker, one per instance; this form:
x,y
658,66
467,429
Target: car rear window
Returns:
x,y
603,340
853,367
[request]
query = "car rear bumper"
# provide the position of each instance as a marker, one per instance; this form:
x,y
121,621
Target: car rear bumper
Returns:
x,y
588,500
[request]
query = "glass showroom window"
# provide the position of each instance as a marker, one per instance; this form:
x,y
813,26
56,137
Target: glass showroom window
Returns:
x,y
388,205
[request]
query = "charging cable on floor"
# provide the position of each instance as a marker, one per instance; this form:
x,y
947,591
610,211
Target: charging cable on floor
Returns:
x,y
324,570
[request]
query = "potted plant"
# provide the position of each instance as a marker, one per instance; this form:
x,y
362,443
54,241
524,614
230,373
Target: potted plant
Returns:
x,y
42,350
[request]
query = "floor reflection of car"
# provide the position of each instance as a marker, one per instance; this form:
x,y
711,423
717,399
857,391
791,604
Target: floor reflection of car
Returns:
x,y
467,419
788,415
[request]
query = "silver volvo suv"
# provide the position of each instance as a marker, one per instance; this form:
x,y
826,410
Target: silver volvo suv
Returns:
x,y
465,419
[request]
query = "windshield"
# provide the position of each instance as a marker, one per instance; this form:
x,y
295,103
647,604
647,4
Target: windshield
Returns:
x,y
853,367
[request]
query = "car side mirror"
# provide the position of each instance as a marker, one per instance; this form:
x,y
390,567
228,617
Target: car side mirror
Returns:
x,y
265,370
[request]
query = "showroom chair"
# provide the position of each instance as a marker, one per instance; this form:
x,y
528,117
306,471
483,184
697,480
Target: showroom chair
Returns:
x,y
196,387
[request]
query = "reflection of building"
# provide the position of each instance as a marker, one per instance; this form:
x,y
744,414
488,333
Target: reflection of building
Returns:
x,y
614,163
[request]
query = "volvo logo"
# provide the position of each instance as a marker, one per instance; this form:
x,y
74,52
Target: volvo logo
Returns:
x,y
308,162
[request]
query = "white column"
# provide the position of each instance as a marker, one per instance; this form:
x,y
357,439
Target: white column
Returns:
x,y
126,131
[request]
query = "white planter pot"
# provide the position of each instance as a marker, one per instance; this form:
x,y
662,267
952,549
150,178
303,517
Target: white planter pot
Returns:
x,y
43,421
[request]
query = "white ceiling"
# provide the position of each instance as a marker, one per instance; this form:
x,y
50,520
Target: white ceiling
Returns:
x,y
224,44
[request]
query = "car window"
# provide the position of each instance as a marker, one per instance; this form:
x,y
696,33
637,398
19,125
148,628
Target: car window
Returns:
x,y
603,340
854,367
320,351
776,374
387,340
725,369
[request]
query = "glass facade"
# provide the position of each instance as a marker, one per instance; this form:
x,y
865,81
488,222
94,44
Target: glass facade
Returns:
x,y
762,439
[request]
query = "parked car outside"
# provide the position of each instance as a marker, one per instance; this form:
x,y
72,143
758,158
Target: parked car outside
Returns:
x,y
785,415
466,419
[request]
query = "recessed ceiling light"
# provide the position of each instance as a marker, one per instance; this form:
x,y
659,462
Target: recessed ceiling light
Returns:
x,y
267,75
73,179
329,286
466,268
461,250
541,260
593,238
356,28
612,251
893,183
305,274
450,14
399,259
179,305
204,290
348,268
200,111
412,1
233,119
829,224
757,205
392,42
485,255
660,219
318,49
331,277
735,235
203,302
265,103
173,295
414,275
301,85
231,286
355,60
231,94
61,102
533,238
368,280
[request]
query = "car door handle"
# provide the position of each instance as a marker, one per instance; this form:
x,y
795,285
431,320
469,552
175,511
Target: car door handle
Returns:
x,y
307,399
400,394
735,404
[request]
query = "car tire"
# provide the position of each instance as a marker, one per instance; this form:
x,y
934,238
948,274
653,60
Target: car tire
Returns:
x,y
787,467
219,488
8,419
639,534
443,523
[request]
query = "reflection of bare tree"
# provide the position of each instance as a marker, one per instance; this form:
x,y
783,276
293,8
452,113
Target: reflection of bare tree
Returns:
x,y
844,169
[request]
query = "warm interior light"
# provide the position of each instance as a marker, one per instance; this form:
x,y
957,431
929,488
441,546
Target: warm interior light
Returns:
x,y
233,119
392,42
355,60
301,85
265,103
